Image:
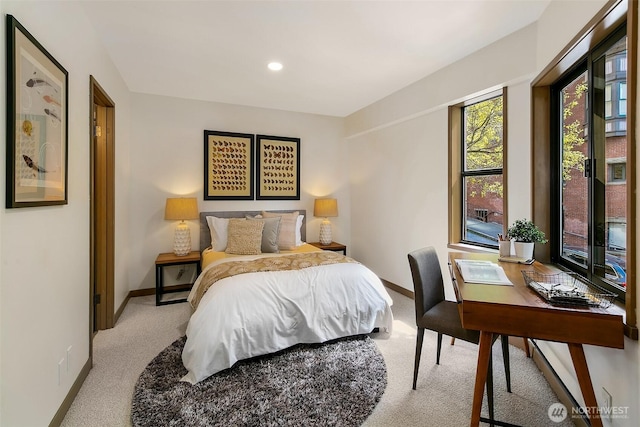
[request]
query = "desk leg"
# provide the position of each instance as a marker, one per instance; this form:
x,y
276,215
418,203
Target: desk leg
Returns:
x,y
484,355
584,379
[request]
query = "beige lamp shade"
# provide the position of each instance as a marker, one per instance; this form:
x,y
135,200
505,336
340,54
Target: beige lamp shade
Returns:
x,y
179,209
325,208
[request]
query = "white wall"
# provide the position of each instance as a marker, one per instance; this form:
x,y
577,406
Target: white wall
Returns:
x,y
44,275
561,21
399,183
400,180
167,160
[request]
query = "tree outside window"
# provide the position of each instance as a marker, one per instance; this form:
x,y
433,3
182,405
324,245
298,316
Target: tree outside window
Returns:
x,y
483,148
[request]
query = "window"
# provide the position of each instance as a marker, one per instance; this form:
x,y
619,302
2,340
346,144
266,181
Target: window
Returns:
x,y
477,151
590,216
604,28
608,127
617,172
622,96
482,171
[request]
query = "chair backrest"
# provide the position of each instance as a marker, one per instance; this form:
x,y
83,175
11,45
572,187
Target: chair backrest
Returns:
x,y
427,279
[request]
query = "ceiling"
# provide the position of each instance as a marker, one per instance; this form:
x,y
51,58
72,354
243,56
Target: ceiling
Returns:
x,y
338,56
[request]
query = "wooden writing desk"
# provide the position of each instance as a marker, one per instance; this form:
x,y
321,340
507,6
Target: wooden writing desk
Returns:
x,y
518,311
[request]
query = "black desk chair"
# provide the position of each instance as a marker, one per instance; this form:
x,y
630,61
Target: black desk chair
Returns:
x,y
435,313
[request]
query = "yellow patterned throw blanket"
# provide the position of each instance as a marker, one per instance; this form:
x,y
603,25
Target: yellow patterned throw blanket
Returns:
x,y
278,263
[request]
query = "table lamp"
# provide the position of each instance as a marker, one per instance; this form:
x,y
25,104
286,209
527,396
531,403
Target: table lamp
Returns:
x,y
181,208
325,208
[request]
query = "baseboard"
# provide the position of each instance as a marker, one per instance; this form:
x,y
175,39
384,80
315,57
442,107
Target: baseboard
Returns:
x,y
564,395
118,313
397,288
73,392
84,372
141,292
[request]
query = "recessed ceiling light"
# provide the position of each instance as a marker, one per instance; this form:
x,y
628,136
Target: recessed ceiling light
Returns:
x,y
275,66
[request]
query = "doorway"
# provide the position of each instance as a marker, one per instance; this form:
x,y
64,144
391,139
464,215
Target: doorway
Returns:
x,y
102,222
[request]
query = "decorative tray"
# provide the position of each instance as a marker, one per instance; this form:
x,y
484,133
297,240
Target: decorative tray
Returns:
x,y
568,289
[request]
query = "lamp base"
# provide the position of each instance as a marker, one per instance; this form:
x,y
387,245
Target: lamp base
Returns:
x,y
182,240
325,232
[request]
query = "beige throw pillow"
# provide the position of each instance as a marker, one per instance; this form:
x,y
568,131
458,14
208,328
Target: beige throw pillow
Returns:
x,y
287,234
269,233
244,237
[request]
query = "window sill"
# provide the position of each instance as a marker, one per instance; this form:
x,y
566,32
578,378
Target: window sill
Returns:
x,y
465,247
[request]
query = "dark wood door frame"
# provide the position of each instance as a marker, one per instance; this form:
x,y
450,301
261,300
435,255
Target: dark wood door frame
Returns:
x,y
102,153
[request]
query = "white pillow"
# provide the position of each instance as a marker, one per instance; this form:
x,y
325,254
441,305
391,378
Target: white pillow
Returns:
x,y
299,241
219,234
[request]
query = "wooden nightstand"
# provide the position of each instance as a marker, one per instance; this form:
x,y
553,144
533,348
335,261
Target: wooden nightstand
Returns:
x,y
169,260
333,246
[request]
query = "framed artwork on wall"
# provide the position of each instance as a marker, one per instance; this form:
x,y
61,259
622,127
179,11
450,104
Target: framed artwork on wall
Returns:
x,y
228,165
278,168
37,122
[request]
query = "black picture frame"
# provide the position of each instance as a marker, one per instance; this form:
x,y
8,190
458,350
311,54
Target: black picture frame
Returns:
x,y
37,122
277,168
228,165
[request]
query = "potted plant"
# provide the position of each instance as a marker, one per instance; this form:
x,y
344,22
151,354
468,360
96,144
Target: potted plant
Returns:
x,y
526,234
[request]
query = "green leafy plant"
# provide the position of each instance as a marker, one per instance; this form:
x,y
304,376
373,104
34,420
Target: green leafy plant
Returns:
x,y
526,231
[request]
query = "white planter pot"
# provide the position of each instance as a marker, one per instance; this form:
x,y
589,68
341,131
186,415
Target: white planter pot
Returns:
x,y
523,250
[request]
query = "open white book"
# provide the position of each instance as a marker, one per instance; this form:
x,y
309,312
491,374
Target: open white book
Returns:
x,y
483,272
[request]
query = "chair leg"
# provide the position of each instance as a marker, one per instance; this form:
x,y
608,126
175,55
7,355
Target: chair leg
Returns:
x,y
526,347
504,339
439,348
490,389
419,340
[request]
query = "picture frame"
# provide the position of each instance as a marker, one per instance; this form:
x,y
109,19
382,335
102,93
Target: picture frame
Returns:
x,y
228,165
278,168
37,122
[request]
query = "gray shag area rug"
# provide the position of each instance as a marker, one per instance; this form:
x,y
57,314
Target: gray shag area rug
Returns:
x,y
337,383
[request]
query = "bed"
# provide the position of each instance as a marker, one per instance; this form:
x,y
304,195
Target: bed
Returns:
x,y
252,304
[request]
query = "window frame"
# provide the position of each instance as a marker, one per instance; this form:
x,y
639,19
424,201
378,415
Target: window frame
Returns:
x,y
457,173
604,23
595,197
620,99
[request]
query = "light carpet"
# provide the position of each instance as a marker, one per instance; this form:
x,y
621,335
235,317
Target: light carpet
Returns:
x,y
443,396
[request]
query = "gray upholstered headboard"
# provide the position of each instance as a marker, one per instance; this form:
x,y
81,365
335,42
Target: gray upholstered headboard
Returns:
x,y
205,236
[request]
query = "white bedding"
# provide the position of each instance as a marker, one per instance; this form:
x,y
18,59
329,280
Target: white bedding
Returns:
x,y
254,314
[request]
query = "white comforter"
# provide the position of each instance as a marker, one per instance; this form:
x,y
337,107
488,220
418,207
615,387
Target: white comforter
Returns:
x,y
254,314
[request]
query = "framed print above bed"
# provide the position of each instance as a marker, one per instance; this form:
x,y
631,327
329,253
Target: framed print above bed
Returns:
x,y
37,123
228,165
278,168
